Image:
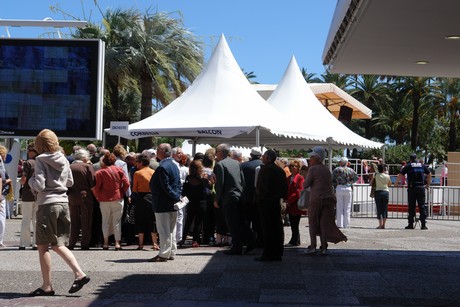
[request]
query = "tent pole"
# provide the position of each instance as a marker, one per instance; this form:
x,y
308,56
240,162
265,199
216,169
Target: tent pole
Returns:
x,y
383,153
193,147
329,148
257,136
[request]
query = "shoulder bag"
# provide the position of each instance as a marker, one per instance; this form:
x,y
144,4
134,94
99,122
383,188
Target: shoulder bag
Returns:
x,y
304,199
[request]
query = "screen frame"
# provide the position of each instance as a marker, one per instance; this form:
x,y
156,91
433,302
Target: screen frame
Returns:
x,y
97,51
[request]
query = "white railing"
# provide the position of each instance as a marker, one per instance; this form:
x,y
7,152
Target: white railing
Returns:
x,y
443,202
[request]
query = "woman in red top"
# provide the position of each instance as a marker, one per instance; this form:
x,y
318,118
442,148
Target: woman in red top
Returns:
x,y
111,185
295,184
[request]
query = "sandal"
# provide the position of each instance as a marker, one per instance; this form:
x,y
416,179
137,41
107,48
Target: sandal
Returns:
x,y
78,284
41,292
155,247
140,247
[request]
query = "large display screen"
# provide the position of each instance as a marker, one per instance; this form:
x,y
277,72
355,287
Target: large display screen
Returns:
x,y
51,83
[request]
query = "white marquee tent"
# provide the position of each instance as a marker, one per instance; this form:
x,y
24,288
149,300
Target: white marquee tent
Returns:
x,y
294,98
222,106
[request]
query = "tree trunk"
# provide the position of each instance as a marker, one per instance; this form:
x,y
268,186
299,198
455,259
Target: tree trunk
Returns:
x,y
415,120
453,133
146,107
113,94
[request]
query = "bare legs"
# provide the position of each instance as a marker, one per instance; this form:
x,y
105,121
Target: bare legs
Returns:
x,y
382,223
45,264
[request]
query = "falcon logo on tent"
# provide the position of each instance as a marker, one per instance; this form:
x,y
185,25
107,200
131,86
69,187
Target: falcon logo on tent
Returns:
x,y
145,133
219,132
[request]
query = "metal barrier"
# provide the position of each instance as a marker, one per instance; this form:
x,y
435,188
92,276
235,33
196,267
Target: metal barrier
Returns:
x,y
443,202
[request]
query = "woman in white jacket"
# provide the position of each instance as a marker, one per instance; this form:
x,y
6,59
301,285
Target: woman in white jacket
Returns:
x,y
51,179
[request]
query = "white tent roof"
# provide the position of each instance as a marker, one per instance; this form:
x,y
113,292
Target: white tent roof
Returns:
x,y
222,104
294,98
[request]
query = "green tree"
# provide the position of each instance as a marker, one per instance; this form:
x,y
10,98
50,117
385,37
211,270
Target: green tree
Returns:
x,y
373,93
116,30
162,52
310,77
394,117
250,76
416,90
447,103
340,80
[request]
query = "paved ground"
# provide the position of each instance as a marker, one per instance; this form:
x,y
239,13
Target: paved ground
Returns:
x,y
390,267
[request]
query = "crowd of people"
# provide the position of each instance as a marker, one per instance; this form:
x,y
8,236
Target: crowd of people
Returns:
x,y
99,199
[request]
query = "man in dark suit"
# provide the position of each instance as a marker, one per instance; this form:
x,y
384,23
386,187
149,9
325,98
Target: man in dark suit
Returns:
x,y
251,214
166,191
271,188
229,196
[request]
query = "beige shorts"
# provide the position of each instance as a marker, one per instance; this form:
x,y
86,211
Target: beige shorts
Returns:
x,y
53,224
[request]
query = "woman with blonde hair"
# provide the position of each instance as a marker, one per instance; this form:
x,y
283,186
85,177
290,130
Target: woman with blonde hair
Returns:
x,y
111,184
295,185
51,180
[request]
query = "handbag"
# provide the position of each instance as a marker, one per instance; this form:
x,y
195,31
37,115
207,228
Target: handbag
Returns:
x,y
5,188
304,199
373,186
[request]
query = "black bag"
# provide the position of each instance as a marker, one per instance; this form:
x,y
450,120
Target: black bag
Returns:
x,y
5,188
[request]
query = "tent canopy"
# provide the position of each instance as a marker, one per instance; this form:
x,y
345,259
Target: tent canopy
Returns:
x,y
294,97
221,105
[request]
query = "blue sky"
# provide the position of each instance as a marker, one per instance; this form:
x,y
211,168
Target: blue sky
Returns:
x,y
262,34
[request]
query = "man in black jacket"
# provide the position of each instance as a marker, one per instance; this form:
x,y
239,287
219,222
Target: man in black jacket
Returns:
x,y
271,189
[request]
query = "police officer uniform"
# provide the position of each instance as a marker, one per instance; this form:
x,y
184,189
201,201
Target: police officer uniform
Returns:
x,y
417,174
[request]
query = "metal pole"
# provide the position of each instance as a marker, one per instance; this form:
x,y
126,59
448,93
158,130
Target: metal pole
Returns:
x,y
329,148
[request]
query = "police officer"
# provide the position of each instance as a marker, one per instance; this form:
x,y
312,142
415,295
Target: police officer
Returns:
x,y
418,178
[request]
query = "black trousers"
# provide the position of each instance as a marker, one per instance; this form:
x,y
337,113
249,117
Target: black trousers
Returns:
x,y
239,229
417,195
272,228
295,221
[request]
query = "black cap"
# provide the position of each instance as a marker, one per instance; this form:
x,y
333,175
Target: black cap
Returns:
x,y
413,157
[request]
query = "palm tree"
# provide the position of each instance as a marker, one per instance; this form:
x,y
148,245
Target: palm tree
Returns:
x,y
309,77
372,93
119,25
115,31
162,52
448,104
340,80
250,76
416,90
394,118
